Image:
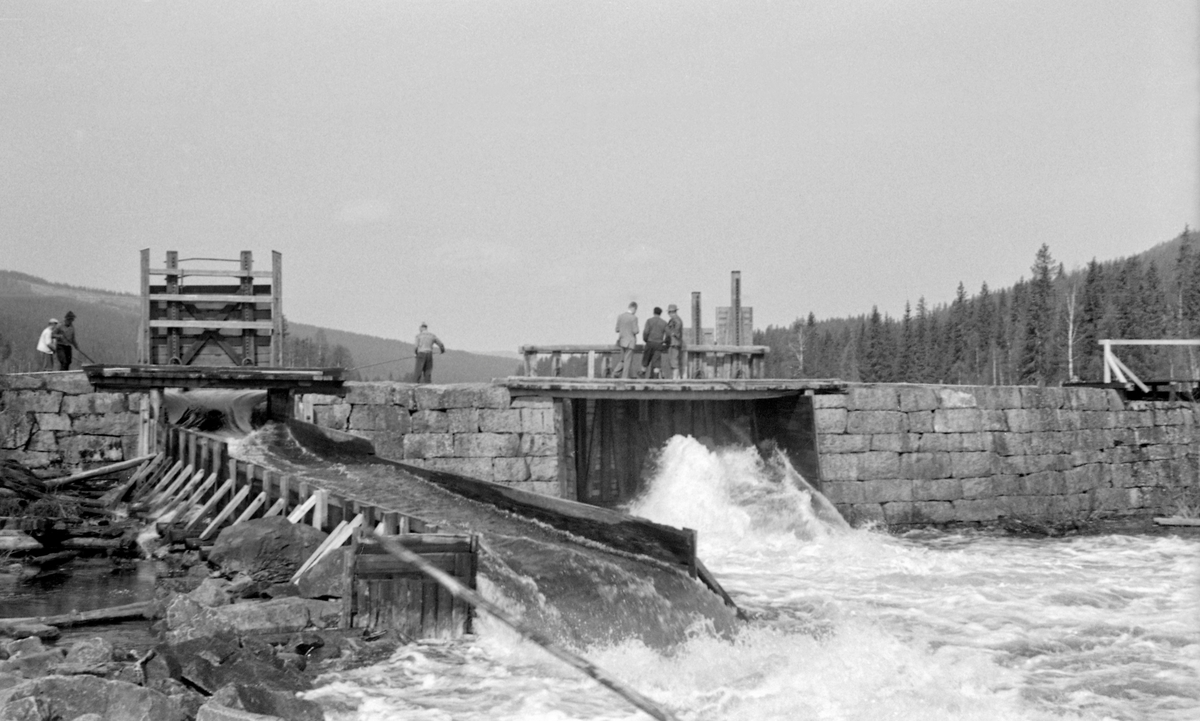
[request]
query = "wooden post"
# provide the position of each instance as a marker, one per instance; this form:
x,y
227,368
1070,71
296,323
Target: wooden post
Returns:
x,y
1107,360
591,369
277,331
564,429
144,322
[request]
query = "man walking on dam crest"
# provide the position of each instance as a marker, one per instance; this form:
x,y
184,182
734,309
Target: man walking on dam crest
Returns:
x,y
627,330
425,343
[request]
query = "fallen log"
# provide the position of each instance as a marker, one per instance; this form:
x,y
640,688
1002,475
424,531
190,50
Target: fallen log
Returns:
x,y
1177,521
84,543
97,472
20,482
79,618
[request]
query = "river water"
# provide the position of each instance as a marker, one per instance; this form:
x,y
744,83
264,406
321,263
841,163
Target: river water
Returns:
x,y
849,624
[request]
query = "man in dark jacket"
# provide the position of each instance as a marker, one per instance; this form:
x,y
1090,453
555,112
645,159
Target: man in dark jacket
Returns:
x,y
654,336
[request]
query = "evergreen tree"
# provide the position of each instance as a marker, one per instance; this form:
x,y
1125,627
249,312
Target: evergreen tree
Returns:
x,y
982,336
907,353
958,364
1037,360
1092,311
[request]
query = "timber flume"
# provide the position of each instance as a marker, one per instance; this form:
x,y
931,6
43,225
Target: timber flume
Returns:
x,y
583,574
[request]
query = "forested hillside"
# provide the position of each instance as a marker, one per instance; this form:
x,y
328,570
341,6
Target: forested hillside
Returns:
x,y
107,331
1043,330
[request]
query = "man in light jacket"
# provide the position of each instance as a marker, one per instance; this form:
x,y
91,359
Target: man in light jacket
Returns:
x,y
627,330
45,344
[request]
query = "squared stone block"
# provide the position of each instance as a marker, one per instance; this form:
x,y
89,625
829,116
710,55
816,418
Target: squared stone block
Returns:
x,y
978,510
956,398
36,402
405,395
544,468
1035,397
829,400
45,441
538,444
80,450
842,492
879,465
875,422
427,421
458,395
934,512
940,442
917,398
998,397
920,422
428,445
831,420
1045,483
509,470
941,489
994,420
381,418
925,465
537,420
958,420
478,468
373,394
975,442
462,420
898,442
94,403
387,444
887,491
71,382
112,424
489,445
332,416
978,487
968,465
861,514
900,513
495,420
50,422
319,399
840,466
1028,420
872,398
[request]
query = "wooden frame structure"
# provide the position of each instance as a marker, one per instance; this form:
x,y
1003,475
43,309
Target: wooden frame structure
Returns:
x,y
195,488
1113,366
701,362
196,324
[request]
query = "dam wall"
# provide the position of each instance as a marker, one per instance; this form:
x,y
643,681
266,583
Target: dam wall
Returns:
x,y
54,424
917,454
475,429
891,453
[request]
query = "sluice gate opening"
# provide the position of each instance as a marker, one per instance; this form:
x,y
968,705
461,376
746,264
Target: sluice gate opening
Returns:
x,y
610,431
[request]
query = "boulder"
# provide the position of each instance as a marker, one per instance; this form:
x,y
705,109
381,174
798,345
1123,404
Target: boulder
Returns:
x,y
69,697
268,702
324,580
211,592
267,549
90,651
186,619
209,667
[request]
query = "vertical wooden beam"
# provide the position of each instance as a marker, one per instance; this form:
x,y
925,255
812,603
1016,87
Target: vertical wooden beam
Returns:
x,y
174,350
143,351
246,288
591,364
564,429
277,330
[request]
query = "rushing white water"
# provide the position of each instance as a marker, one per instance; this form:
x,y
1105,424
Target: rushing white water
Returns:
x,y
850,624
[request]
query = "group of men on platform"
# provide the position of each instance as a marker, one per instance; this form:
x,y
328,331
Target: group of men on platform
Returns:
x,y
56,341
660,338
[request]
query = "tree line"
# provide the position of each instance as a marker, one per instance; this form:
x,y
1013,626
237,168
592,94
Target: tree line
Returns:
x,y
1044,330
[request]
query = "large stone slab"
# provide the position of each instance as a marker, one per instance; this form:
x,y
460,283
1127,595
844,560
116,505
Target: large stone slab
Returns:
x,y
269,550
872,398
69,697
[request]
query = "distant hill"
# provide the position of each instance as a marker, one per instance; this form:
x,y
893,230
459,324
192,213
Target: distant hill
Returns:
x,y
107,324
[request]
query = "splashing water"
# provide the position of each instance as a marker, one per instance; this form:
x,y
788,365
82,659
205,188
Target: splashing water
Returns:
x,y
849,624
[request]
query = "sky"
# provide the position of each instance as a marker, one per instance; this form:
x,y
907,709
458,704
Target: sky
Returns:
x,y
516,172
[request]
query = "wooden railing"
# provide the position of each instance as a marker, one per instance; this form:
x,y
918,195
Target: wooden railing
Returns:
x,y
703,361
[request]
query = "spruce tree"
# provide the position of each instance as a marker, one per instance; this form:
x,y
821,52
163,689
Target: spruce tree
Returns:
x,y
1037,360
1092,310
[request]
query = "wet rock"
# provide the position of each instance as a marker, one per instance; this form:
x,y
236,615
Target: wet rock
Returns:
x,y
91,651
188,698
211,592
26,630
269,702
32,664
186,619
208,664
267,549
63,697
23,645
324,580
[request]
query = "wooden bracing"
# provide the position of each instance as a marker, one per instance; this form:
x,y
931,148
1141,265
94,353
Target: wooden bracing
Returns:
x,y
237,323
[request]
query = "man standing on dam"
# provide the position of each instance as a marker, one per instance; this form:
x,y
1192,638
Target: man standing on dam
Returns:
x,y
655,337
424,347
627,330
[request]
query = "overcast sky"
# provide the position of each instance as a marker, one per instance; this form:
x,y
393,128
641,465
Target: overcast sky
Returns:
x,y
516,172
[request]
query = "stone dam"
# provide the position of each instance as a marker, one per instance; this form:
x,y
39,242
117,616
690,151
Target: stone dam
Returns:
x,y
897,454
